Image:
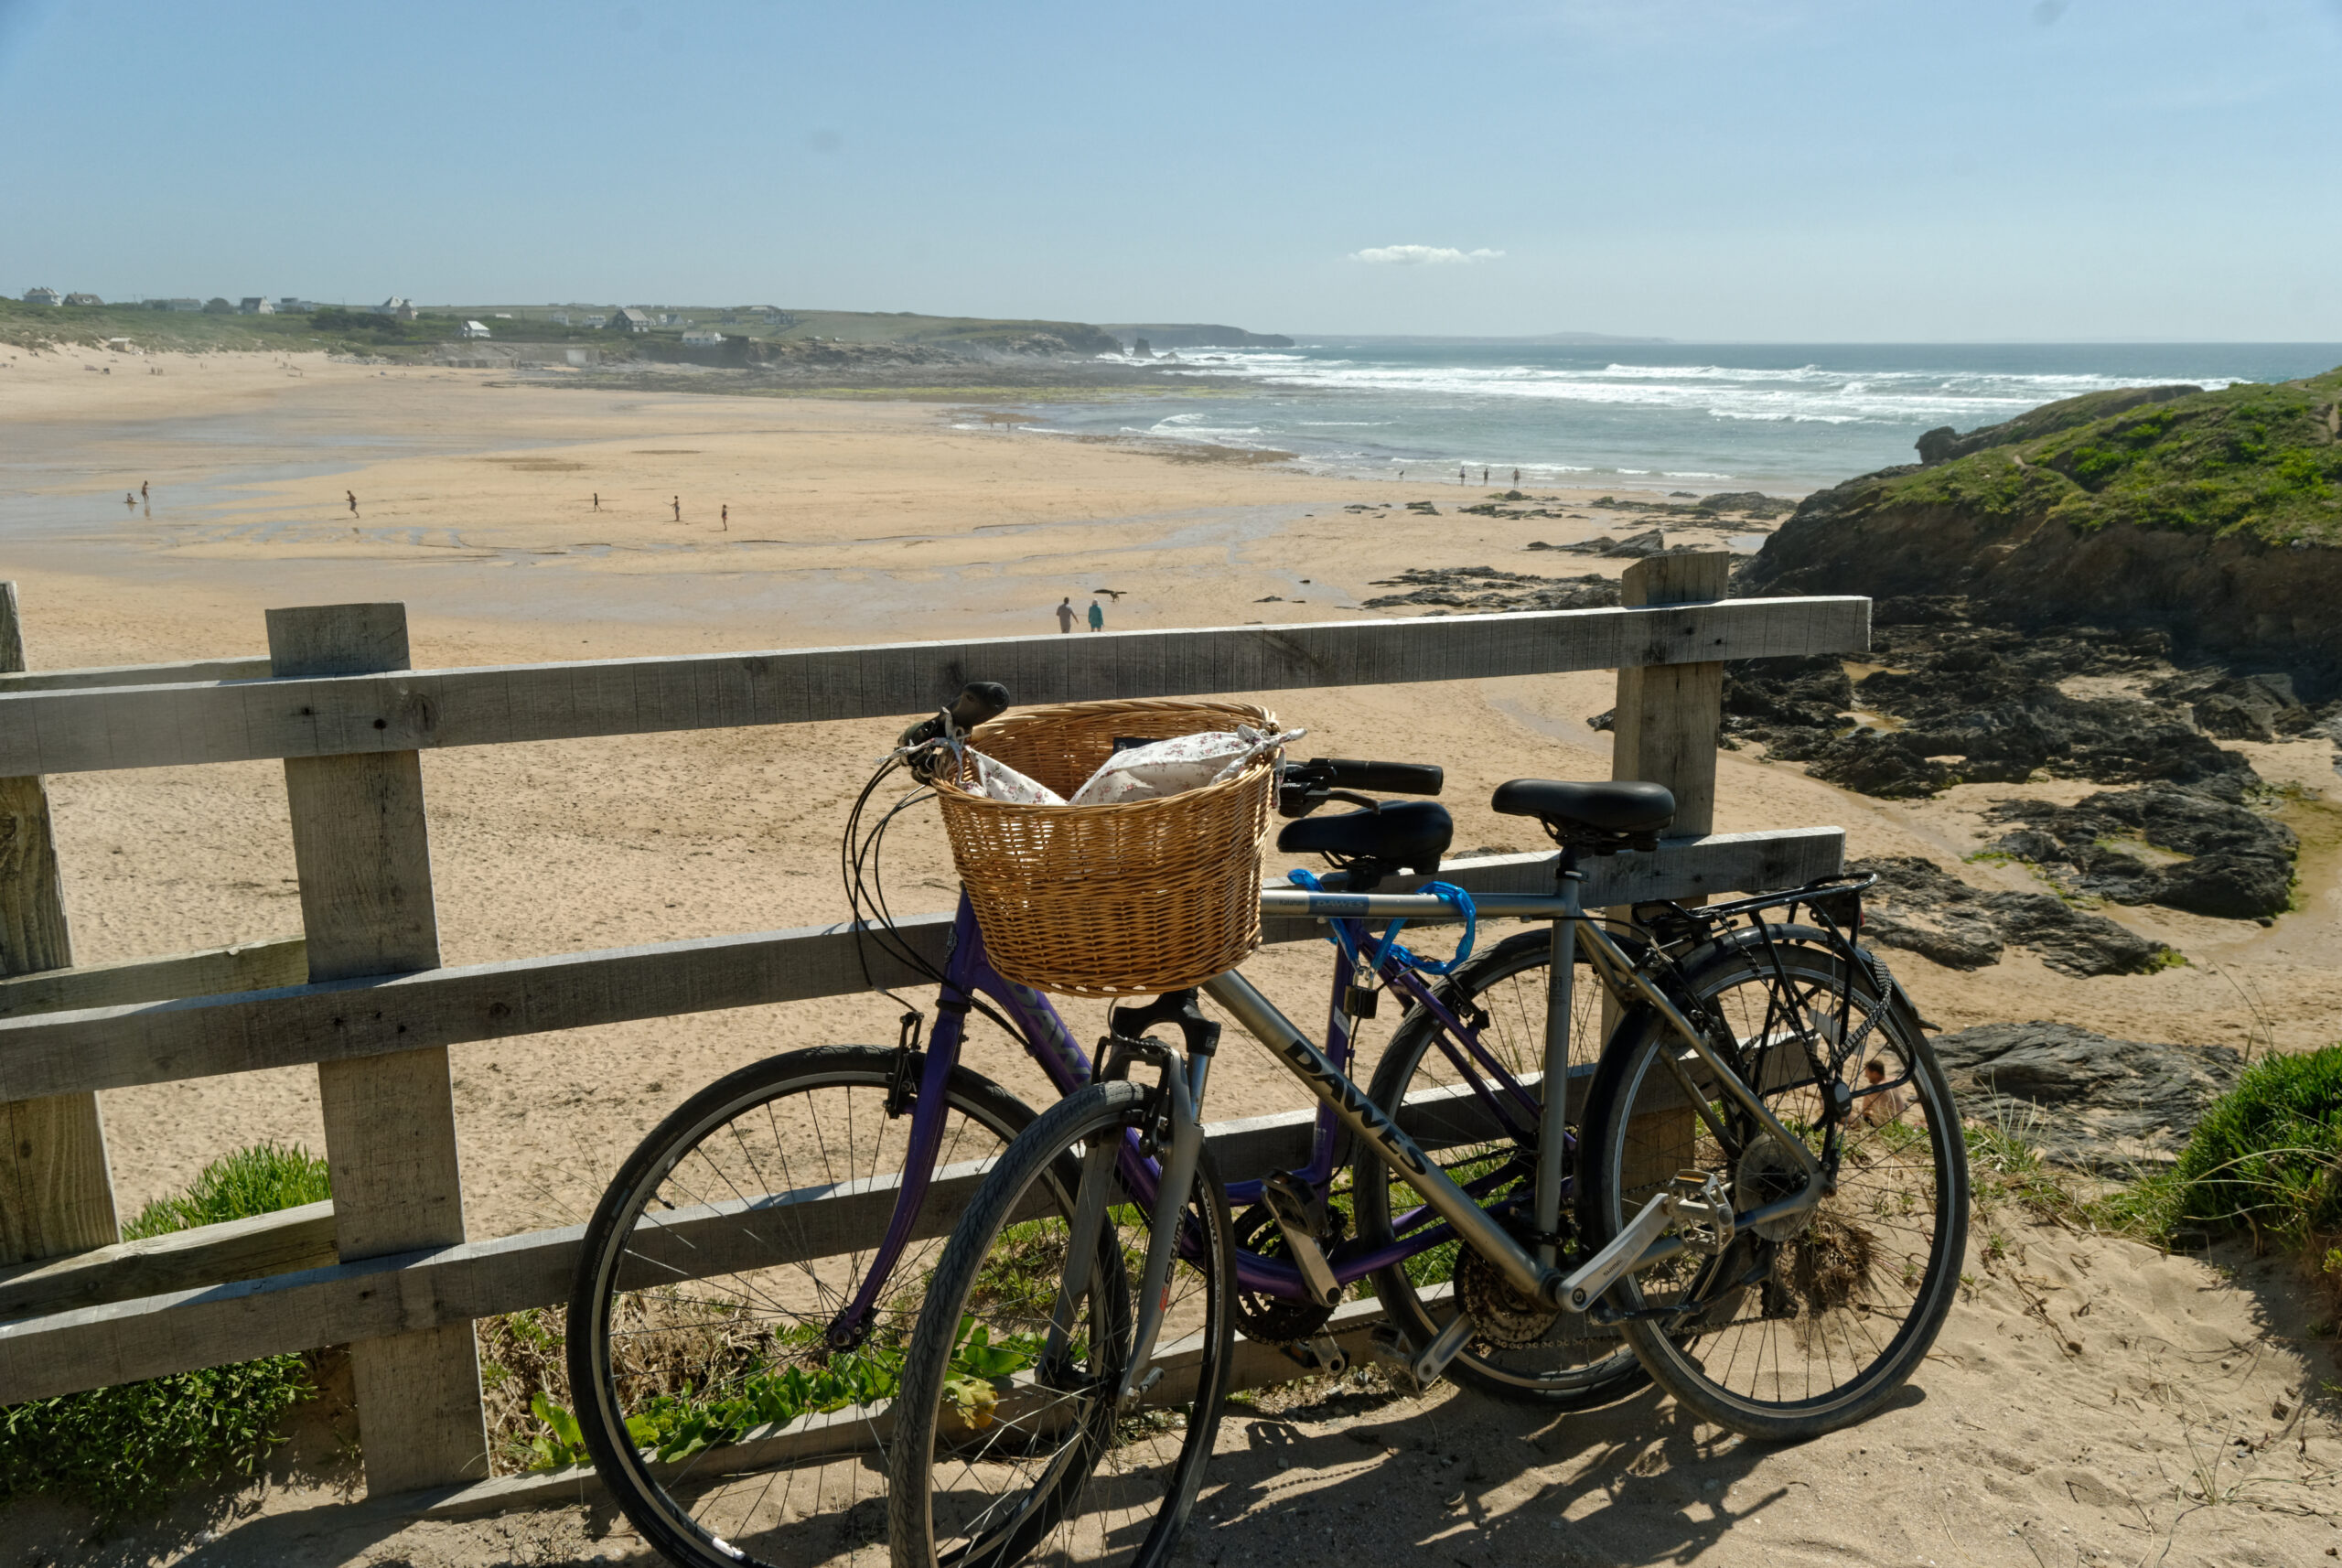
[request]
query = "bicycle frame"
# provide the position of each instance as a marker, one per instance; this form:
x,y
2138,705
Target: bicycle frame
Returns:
x,y
1343,1106
969,973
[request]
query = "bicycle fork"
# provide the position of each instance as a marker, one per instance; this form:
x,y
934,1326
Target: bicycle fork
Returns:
x,y
1177,1130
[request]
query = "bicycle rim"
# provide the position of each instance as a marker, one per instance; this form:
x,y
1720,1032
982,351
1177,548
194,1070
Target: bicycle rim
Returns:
x,y
1001,1457
727,1427
1817,1323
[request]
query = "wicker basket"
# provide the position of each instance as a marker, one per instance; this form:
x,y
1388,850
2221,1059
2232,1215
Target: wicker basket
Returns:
x,y
1112,900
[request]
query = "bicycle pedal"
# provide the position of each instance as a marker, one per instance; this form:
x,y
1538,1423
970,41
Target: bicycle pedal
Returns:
x,y
1388,1349
1320,1353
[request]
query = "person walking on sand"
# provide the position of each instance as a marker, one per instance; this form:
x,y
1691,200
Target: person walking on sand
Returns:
x,y
728,517
353,501
1516,478
597,501
142,489
679,508
1097,616
1484,476
1064,615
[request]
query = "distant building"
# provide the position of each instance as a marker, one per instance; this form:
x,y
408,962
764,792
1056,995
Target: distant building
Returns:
x,y
256,305
182,304
702,338
777,317
500,315
287,304
475,329
41,297
215,305
628,319
83,299
402,309
595,322
558,317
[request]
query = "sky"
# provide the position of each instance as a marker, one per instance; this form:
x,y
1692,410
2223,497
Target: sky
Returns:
x,y
1733,170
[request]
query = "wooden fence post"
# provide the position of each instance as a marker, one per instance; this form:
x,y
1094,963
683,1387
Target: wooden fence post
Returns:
x,y
363,854
1669,720
56,1192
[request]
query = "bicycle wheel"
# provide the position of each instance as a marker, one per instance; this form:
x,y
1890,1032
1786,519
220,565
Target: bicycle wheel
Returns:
x,y
699,1317
1002,1455
1525,1351
1808,1324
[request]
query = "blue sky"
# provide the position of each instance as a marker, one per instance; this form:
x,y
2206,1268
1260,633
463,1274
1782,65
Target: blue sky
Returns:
x,y
1789,170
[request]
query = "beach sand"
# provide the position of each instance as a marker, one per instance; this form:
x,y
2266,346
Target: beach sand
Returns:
x,y
869,521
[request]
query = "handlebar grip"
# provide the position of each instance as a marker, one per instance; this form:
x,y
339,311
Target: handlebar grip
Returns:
x,y
979,700
1383,777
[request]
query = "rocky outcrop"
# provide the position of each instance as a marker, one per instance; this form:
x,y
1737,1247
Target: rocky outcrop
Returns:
x,y
2238,865
1196,334
2082,1098
2214,518
1486,588
1918,906
1944,444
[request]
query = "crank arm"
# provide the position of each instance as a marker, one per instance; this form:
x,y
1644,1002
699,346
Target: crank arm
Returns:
x,y
1675,1205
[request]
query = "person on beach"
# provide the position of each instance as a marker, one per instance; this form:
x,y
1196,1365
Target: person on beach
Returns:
x,y
1516,478
142,489
597,501
1064,615
1462,476
353,501
679,508
728,517
130,500
1484,476
1097,616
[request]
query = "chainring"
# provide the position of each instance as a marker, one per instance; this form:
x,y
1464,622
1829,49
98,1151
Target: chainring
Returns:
x,y
1272,1319
1501,1315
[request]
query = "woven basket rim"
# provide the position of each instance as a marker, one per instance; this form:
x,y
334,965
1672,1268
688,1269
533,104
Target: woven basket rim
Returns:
x,y
966,797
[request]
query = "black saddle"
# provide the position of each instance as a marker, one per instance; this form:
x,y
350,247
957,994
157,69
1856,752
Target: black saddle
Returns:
x,y
1410,834
1588,810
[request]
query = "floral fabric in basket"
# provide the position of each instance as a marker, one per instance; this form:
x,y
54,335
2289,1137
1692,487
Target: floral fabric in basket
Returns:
x,y
1146,772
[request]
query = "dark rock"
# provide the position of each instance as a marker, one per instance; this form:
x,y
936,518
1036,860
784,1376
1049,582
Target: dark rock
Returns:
x,y
2081,1097
2239,867
1486,588
1637,545
1918,906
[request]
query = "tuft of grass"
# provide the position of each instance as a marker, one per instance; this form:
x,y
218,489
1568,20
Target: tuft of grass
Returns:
x,y
261,1179
130,1449
2267,1156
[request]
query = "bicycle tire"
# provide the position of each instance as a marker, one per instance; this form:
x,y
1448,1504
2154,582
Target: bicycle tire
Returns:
x,y
1780,1337
690,1514
959,1498
1570,1366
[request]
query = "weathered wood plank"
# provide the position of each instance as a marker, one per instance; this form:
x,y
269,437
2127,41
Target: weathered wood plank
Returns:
x,y
78,731
183,673
56,1189
447,1287
113,1048
282,1242
1669,719
363,854
248,966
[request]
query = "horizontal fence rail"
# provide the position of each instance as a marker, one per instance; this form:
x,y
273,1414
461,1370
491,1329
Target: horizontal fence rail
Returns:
x,y
203,1037
163,725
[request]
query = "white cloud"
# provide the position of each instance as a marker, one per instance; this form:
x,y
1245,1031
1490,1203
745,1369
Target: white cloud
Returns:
x,y
1422,256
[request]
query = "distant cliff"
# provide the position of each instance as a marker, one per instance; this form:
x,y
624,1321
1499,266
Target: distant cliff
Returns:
x,y
2214,516
1194,335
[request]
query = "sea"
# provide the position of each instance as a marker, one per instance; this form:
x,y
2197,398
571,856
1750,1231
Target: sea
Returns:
x,y
1784,418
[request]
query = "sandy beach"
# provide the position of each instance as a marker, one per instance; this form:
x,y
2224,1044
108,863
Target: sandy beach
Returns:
x,y
870,520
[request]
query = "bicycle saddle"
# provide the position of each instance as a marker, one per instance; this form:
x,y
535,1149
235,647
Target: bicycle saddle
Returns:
x,y
1566,807
1411,834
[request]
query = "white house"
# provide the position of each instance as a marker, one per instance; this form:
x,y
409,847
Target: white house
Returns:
x,y
627,319
558,317
402,309
41,297
256,305
287,304
702,338
475,329
83,299
595,322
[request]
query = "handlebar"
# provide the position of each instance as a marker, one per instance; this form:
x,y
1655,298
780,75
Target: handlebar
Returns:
x,y
1309,785
978,701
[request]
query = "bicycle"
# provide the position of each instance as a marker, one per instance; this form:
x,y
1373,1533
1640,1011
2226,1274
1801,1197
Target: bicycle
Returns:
x,y
734,1344
1770,1200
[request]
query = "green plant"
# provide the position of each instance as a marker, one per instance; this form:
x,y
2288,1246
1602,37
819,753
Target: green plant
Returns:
x,y
2267,1156
261,1179
129,1449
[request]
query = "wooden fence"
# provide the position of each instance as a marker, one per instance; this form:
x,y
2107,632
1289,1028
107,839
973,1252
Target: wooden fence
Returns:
x,y
387,1267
